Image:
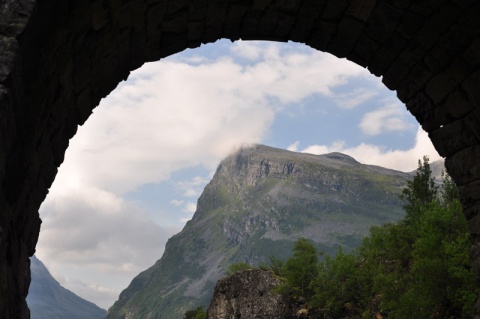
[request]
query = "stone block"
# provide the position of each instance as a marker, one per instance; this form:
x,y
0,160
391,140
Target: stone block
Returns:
x,y
124,19
305,20
177,5
251,22
444,15
344,40
421,106
175,22
365,48
469,20
426,8
471,85
261,4
383,21
216,12
154,16
464,3
410,24
450,44
8,49
84,105
471,193
455,106
321,35
268,22
284,26
233,21
291,6
172,43
352,56
196,31
472,53
445,82
99,15
397,72
361,9
386,54
197,10
475,254
454,137
415,82
334,10
416,49
464,166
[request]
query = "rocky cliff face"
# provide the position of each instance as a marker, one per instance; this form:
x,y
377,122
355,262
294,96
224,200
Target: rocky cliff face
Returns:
x,y
259,202
248,294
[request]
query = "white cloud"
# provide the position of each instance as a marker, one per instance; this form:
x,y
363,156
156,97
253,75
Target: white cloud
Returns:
x,y
294,147
100,236
169,115
403,160
193,187
190,208
386,119
354,98
250,51
177,202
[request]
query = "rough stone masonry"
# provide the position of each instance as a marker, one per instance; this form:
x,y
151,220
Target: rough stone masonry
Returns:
x,y
58,58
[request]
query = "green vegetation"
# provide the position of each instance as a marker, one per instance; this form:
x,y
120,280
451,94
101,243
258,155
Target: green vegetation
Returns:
x,y
300,270
417,268
197,313
234,268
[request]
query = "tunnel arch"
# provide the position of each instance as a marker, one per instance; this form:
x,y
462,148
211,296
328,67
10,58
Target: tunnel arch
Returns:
x,y
59,58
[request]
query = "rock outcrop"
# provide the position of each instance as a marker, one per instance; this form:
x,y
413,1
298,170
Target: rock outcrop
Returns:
x,y
248,294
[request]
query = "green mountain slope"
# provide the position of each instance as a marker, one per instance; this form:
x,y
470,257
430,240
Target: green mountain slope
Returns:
x,y
47,299
260,200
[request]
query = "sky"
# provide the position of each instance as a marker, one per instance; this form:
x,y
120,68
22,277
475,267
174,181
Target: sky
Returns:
x,y
135,169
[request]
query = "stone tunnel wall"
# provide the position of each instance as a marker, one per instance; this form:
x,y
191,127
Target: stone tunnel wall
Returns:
x,y
58,58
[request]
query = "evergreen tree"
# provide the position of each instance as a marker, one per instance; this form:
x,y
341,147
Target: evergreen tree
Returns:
x,y
301,269
449,190
420,191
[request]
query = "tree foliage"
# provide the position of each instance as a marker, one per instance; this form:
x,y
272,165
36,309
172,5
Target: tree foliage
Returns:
x,y
419,267
301,269
197,313
420,191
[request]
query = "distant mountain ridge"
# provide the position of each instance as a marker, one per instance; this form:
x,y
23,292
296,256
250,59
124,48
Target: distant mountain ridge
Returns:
x,y
47,299
259,201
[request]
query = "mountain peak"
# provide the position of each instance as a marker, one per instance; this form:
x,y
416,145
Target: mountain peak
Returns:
x,y
260,200
47,299
341,157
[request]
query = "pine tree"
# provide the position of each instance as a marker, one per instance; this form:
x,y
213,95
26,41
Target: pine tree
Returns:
x,y
301,269
420,191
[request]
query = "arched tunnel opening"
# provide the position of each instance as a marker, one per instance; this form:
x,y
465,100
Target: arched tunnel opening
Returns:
x,y
134,160
60,58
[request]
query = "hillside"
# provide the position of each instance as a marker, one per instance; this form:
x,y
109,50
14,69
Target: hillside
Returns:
x,y
47,299
259,201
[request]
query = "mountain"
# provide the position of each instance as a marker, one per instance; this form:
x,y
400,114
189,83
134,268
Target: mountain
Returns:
x,y
47,299
259,201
